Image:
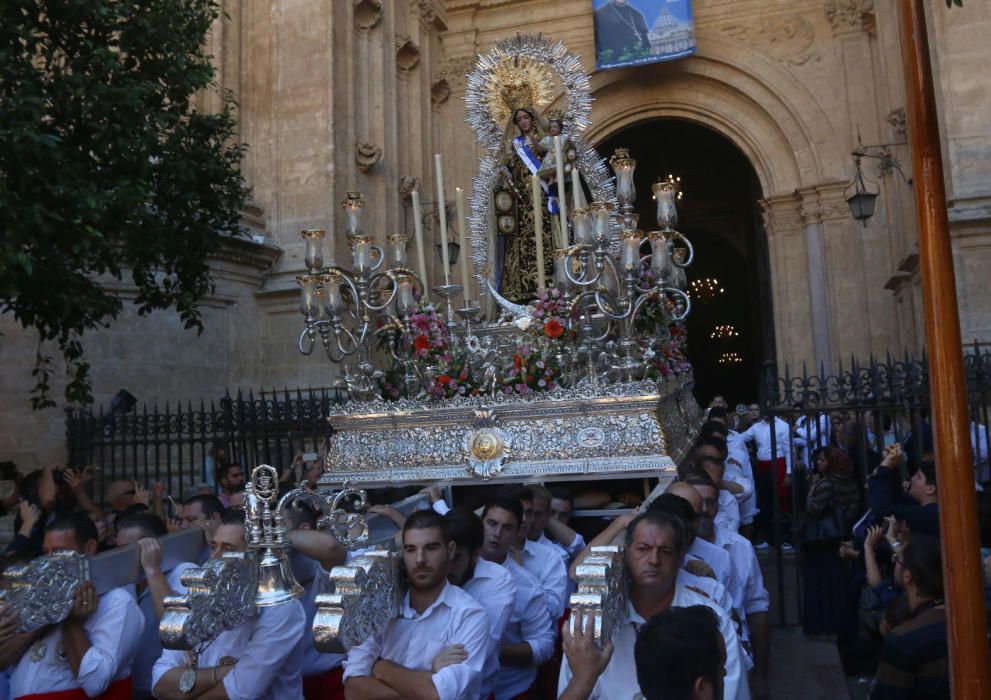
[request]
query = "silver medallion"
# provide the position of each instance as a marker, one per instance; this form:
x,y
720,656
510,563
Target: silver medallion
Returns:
x,y
38,650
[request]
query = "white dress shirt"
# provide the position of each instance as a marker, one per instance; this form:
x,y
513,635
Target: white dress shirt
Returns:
x,y
150,643
718,594
717,558
737,453
728,516
530,623
492,587
570,551
760,433
751,595
545,563
113,632
619,680
710,587
412,640
268,648
811,433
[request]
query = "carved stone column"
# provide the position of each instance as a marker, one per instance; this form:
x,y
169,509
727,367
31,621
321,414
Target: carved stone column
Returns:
x,y
789,279
818,296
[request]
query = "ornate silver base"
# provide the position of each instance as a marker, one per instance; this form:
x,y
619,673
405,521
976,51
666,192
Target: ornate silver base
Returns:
x,y
636,428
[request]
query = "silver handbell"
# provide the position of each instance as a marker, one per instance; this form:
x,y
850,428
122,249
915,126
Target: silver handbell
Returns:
x,y
268,537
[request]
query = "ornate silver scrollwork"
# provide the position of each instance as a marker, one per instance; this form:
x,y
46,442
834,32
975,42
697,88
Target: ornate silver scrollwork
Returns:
x,y
42,592
219,596
347,526
601,591
367,594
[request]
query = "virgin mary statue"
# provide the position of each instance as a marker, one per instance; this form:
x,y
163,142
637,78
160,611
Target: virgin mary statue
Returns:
x,y
523,154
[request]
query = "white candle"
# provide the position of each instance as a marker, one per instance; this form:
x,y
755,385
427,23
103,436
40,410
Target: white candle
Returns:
x,y
576,187
463,242
421,259
561,199
538,230
442,210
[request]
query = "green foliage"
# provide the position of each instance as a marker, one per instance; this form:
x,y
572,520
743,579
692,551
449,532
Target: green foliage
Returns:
x,y
106,169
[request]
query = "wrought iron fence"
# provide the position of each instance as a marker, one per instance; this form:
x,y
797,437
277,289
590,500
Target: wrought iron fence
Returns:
x,y
180,444
862,408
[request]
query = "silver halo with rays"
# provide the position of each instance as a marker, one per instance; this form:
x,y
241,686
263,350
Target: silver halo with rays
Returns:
x,y
489,133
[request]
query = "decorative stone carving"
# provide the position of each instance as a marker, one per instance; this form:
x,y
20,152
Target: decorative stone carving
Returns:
x,y
601,592
455,71
898,121
408,183
367,593
786,39
367,14
366,155
440,90
407,53
850,15
430,13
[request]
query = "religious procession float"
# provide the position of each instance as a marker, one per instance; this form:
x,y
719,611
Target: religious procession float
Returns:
x,y
569,365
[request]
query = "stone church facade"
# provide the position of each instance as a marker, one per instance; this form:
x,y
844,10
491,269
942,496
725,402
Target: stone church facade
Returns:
x,y
338,95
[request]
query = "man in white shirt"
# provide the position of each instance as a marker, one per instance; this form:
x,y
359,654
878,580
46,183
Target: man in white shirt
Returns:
x,y
655,547
491,585
772,470
710,455
551,531
143,529
562,504
529,637
542,560
259,659
437,646
90,653
737,454
322,673
750,598
812,431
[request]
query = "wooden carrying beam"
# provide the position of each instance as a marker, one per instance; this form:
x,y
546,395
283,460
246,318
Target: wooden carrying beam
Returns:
x,y
964,589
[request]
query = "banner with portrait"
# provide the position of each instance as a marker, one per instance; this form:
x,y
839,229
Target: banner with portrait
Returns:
x,y
636,32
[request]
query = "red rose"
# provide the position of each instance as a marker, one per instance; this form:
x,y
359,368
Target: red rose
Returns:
x,y
421,344
553,329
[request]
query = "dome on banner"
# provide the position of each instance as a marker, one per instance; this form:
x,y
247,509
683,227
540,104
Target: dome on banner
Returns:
x,y
669,35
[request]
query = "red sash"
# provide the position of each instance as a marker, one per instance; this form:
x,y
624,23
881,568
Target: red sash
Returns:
x,y
326,686
118,690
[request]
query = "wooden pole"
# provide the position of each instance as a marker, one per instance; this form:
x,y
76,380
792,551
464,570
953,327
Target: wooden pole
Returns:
x,y
970,677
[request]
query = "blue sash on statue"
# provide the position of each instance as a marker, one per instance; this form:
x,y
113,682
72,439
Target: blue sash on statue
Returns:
x,y
532,163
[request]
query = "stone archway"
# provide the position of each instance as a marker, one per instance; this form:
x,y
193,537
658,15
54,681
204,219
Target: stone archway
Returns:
x,y
789,141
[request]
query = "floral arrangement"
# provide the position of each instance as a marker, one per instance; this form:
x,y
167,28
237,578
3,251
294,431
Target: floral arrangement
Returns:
x,y
550,315
534,366
533,369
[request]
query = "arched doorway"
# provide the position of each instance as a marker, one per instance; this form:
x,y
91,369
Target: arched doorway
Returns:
x,y
730,332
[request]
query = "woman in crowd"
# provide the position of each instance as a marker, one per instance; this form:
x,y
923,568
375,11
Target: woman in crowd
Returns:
x,y
831,507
